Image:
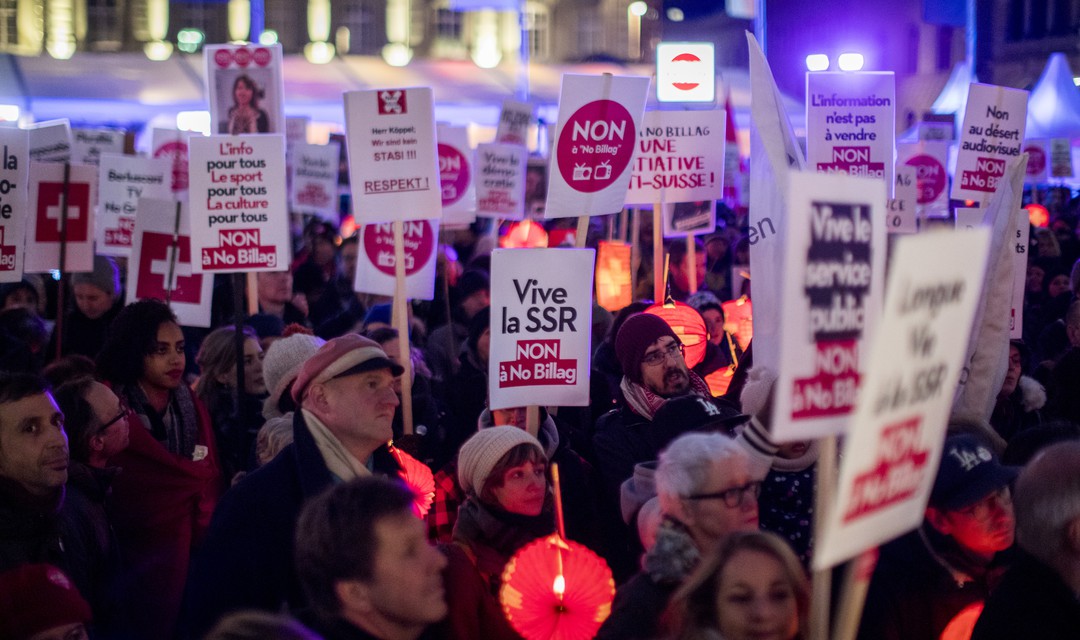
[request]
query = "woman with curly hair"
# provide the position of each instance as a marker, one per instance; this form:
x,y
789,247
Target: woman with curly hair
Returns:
x,y
245,116
750,586
171,479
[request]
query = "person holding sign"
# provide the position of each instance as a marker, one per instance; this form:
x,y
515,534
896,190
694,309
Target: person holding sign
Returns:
x,y
931,583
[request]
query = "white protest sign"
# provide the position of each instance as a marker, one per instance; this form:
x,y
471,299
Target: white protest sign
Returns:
x,y
14,164
295,130
245,88
375,268
1061,161
685,72
832,291
239,218
88,145
500,181
683,219
680,157
1020,247
993,134
930,160
393,160
514,121
892,451
122,180
172,145
50,141
314,179
969,218
161,264
599,120
851,123
1038,161
47,223
456,169
541,317
902,216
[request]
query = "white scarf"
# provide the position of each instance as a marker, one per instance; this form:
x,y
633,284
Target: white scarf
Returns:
x,y
338,460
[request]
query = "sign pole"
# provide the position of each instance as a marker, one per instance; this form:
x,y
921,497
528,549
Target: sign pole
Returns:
x,y
635,249
824,493
582,232
532,419
658,253
63,261
853,595
238,281
690,262
401,323
174,252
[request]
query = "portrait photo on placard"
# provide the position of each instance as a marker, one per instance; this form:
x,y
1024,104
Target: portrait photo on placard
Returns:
x,y
247,101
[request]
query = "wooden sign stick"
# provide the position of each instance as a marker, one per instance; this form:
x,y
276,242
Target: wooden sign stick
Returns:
x,y
401,323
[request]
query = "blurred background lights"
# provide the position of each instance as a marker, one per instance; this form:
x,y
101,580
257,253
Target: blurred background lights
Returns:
x,y
638,8
268,37
189,40
817,62
675,14
850,61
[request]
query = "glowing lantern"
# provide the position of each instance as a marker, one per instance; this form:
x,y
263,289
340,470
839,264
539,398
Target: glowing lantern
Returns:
x,y
739,320
1038,215
418,477
963,623
614,284
348,226
525,234
688,324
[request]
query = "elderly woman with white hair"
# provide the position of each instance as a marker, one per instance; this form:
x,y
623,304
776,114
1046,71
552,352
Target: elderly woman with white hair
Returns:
x,y
707,488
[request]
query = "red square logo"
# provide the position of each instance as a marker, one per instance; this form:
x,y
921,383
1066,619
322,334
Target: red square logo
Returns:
x,y
392,102
157,249
49,214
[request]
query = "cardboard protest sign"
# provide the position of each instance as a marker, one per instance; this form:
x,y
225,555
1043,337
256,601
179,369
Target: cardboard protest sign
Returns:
x,y
239,219
893,450
851,123
832,291
1038,161
14,164
456,170
902,217
162,264
245,88
680,158
614,279
774,152
88,145
993,134
1020,247
122,180
541,322
50,141
1061,161
314,175
46,220
500,181
599,120
683,219
393,160
375,267
969,217
685,72
172,145
514,121
931,161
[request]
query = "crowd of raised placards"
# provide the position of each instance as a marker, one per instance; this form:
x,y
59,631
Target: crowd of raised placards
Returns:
x,y
143,495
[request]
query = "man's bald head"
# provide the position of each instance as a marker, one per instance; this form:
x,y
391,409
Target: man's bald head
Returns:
x,y
1047,503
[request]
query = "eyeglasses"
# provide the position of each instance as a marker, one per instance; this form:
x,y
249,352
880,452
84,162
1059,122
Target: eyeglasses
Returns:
x,y
732,497
125,411
984,509
652,358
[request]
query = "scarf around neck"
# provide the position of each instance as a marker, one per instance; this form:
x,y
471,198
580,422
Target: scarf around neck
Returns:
x,y
645,402
177,428
342,464
504,532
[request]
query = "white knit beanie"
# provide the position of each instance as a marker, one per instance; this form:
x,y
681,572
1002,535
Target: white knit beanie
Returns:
x,y
756,390
282,363
480,453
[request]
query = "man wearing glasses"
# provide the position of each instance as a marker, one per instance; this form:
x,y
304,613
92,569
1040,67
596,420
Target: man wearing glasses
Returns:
x,y
931,583
654,371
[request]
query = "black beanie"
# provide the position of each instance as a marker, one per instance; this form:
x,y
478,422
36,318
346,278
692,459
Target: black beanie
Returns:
x,y
635,336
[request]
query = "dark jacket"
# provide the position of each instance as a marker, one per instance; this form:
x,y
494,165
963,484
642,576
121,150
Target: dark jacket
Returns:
x,y
85,517
246,560
82,335
1021,410
921,583
1031,602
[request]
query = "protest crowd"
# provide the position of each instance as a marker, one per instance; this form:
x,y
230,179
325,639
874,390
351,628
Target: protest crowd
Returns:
x,y
290,471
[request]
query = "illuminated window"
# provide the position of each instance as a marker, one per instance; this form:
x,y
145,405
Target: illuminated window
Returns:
x,y
448,24
9,23
538,28
103,19
590,31
360,19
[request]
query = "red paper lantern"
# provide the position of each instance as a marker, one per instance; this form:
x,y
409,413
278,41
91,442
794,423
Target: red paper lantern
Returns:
x,y
418,477
525,234
554,589
688,324
1038,215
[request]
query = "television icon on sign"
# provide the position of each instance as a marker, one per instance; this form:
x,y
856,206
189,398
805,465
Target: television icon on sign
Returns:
x,y
603,171
582,172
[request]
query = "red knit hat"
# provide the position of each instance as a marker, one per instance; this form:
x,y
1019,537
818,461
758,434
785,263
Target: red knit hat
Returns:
x,y
36,598
635,336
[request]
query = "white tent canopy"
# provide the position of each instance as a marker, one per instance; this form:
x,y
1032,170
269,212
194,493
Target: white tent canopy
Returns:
x,y
1054,104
